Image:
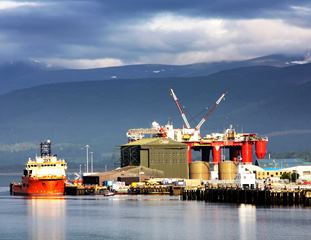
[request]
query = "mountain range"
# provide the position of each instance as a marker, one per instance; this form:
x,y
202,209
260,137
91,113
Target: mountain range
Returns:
x,y
268,99
23,74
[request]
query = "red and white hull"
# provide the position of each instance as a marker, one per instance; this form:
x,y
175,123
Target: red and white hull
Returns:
x,y
44,175
42,187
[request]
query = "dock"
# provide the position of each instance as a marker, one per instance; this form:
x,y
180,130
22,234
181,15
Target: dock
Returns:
x,y
258,197
85,190
157,190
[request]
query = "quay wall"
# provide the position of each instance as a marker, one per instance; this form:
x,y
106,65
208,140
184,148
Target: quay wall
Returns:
x,y
258,197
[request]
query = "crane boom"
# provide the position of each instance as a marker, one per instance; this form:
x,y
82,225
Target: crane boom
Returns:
x,y
210,111
181,111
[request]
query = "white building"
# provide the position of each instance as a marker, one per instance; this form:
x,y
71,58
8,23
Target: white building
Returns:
x,y
245,177
303,171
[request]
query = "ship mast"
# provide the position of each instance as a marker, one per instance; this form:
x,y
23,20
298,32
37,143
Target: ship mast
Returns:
x,y
45,148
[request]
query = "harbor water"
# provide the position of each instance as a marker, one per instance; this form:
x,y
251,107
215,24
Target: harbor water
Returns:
x,y
144,217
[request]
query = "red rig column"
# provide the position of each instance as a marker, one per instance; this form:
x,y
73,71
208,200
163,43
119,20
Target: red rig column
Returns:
x,y
261,148
189,152
216,153
247,152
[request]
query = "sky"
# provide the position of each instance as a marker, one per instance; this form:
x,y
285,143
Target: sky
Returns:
x,y
90,34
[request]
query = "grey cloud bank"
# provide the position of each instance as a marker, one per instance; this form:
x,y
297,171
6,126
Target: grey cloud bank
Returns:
x,y
86,34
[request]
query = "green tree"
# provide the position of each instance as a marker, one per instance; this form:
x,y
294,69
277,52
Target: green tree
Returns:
x,y
294,176
290,176
285,175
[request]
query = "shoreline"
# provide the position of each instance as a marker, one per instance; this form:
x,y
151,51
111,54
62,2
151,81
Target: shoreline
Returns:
x,y
10,174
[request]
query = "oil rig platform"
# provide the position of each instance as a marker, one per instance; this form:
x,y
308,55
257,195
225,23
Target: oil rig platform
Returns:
x,y
229,145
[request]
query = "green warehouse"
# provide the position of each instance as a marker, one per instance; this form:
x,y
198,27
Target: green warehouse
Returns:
x,y
157,153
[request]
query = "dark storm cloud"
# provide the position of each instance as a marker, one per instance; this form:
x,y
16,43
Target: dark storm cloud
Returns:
x,y
51,25
215,8
100,29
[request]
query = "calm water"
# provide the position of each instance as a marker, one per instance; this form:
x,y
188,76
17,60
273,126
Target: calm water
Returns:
x,y
145,217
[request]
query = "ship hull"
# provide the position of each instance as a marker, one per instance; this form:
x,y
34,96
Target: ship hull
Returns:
x,y
39,187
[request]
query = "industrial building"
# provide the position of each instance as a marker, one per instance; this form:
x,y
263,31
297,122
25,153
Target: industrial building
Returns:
x,y
276,164
125,174
303,171
166,155
275,168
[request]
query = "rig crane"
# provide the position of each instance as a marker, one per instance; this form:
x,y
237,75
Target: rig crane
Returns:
x,y
210,111
193,134
180,108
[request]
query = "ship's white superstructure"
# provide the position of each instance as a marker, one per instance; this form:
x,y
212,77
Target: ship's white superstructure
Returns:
x,y
46,167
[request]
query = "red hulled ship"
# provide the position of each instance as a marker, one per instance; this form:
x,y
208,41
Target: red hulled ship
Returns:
x,y
44,175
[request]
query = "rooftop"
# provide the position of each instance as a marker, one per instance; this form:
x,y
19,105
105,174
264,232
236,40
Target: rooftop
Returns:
x,y
154,141
275,164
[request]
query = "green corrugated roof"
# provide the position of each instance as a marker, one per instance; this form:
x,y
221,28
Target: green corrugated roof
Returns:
x,y
154,141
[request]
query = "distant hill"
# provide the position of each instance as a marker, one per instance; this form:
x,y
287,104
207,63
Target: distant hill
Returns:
x,y
24,74
262,99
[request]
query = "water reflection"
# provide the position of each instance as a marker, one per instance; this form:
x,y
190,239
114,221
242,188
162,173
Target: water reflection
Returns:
x,y
46,218
146,217
247,221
